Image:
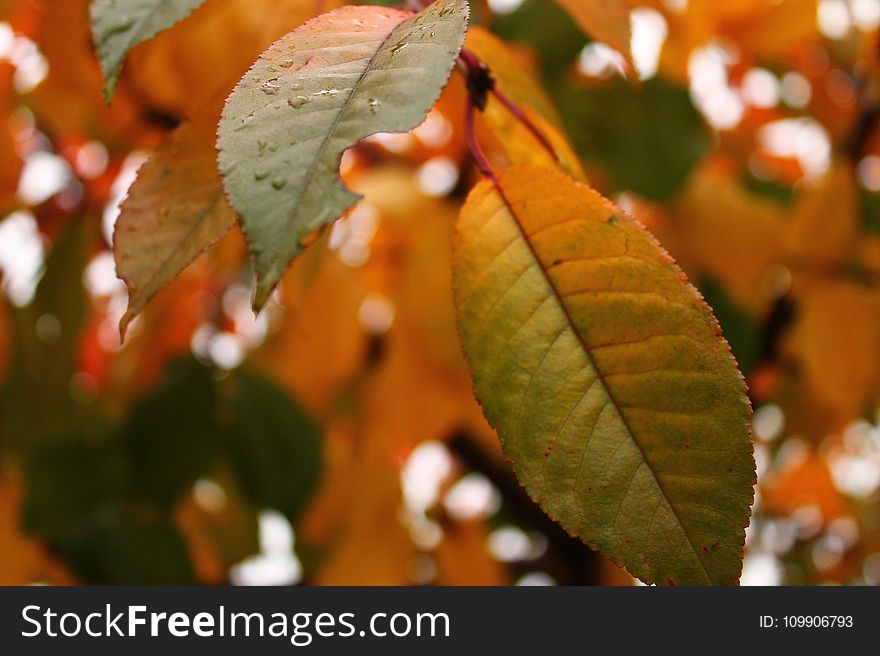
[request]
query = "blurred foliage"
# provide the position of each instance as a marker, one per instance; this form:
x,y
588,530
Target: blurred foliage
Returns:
x,y
753,154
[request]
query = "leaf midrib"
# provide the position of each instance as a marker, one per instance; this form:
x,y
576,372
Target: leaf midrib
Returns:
x,y
599,375
325,141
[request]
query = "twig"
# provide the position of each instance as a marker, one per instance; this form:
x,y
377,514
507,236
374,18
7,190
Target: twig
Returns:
x,y
474,144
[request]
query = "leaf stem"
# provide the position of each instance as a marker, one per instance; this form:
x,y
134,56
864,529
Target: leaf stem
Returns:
x,y
481,82
473,143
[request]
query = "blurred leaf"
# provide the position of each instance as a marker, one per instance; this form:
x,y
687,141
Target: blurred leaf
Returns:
x,y
284,128
803,483
603,371
512,75
649,138
839,340
119,25
175,210
218,537
463,557
824,225
68,104
46,338
549,30
604,20
723,231
171,437
373,545
276,449
67,482
127,545
24,560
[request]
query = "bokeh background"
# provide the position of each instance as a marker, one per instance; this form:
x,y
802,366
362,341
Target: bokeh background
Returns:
x,y
335,439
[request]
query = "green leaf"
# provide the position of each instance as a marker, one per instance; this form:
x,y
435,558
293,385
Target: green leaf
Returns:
x,y
171,436
67,482
276,449
648,138
174,211
47,336
122,544
607,379
315,93
119,25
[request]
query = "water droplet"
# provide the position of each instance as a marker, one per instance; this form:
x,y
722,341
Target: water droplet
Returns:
x,y
270,88
122,26
374,104
278,183
299,101
287,63
260,174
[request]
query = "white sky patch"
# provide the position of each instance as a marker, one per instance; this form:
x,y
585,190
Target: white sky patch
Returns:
x,y
796,90
22,254
649,32
598,60
472,497
277,563
869,173
118,191
833,18
865,14
710,87
43,176
761,88
504,6
437,177
761,569
435,131
803,139
425,471
376,314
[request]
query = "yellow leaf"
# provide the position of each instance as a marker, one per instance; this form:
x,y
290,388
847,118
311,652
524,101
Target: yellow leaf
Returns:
x,y
723,231
824,227
511,72
605,375
839,342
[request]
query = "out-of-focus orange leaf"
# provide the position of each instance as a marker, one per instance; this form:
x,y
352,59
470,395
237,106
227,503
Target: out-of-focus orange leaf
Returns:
x,y
69,101
179,78
319,344
604,20
722,231
805,483
373,547
463,559
839,341
824,226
